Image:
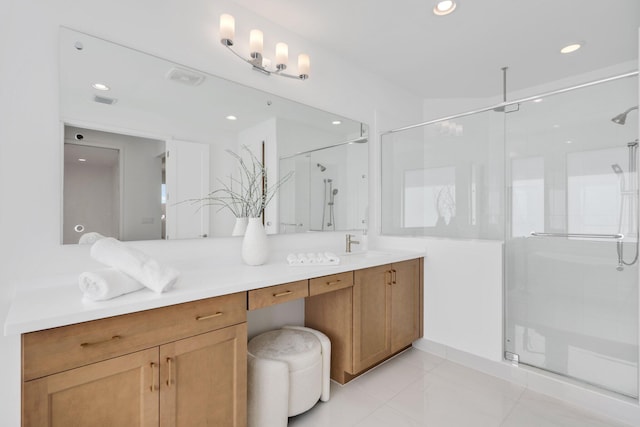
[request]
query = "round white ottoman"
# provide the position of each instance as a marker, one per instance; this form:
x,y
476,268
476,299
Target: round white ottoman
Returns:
x,y
288,372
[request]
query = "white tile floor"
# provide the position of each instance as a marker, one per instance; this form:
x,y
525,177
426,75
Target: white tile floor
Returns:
x,y
419,389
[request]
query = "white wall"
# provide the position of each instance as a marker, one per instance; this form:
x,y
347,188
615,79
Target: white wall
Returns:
x,y
30,137
462,292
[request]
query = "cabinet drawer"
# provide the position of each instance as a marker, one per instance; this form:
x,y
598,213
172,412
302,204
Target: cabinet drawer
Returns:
x,y
272,295
321,285
58,349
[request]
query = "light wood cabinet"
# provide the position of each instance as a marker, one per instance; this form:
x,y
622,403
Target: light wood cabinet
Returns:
x,y
116,392
203,379
369,322
193,371
272,295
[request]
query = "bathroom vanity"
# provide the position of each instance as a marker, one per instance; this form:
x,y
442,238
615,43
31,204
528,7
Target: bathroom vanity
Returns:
x,y
180,358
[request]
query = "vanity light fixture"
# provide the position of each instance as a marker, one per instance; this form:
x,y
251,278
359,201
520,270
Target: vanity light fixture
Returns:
x,y
444,7
100,86
259,63
571,48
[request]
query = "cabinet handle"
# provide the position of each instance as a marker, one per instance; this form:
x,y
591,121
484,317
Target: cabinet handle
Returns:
x,y
388,279
282,294
335,282
393,276
169,377
153,377
210,316
88,344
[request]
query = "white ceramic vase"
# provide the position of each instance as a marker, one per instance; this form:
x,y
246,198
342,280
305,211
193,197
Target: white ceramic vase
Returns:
x,y
254,244
240,226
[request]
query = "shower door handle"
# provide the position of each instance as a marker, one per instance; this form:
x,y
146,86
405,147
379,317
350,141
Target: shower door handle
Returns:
x,y
579,235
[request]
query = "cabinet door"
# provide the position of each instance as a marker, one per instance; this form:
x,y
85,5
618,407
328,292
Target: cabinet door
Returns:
x,y
332,314
371,316
116,392
203,379
405,304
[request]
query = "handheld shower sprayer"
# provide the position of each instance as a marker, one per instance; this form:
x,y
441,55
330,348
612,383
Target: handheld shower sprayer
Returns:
x,y
621,118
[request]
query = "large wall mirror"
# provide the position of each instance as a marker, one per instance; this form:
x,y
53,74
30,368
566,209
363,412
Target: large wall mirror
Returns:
x,y
142,134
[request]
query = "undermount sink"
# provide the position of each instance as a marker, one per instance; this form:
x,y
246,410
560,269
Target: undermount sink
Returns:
x,y
363,254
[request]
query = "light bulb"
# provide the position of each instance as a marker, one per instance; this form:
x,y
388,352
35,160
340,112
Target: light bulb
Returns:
x,y
227,29
303,66
282,56
255,43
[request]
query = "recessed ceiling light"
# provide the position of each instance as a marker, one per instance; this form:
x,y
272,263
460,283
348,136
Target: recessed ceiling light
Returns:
x,y
444,7
568,142
571,48
82,160
100,86
537,100
336,122
231,118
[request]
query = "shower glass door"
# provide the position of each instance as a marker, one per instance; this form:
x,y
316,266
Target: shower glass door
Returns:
x,y
571,251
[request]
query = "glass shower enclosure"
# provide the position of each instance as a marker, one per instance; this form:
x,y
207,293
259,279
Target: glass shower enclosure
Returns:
x,y
571,238
555,178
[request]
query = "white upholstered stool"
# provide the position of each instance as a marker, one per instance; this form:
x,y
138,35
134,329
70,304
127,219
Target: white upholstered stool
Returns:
x,y
288,371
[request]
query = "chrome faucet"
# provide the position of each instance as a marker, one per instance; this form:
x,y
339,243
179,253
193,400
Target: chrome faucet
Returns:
x,y
350,242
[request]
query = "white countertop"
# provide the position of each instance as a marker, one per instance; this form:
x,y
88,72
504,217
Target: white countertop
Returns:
x,y
62,304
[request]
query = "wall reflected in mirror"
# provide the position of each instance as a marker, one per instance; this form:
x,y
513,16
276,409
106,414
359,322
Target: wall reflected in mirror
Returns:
x,y
122,100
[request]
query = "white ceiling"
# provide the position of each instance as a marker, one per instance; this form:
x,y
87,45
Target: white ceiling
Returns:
x,y
460,55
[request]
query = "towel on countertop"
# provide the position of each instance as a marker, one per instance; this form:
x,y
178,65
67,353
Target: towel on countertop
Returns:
x,y
134,263
320,258
107,283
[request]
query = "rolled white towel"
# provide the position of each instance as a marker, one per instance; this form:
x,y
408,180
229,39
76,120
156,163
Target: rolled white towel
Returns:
x,y
292,259
302,259
107,283
313,259
90,238
134,263
333,258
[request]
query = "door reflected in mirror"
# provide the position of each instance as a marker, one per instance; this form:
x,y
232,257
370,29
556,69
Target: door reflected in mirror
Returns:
x,y
187,114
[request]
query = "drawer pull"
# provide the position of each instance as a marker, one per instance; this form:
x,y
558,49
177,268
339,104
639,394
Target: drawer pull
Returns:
x,y
88,344
393,276
335,282
210,316
282,294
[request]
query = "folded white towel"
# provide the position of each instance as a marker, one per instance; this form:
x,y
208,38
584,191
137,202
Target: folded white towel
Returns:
x,y
333,258
320,258
90,238
105,284
134,263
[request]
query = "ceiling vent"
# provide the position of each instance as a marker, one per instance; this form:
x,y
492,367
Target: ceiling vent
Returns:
x,y
104,100
184,76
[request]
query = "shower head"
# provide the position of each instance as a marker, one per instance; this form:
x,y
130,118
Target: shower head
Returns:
x,y
617,169
322,168
621,118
